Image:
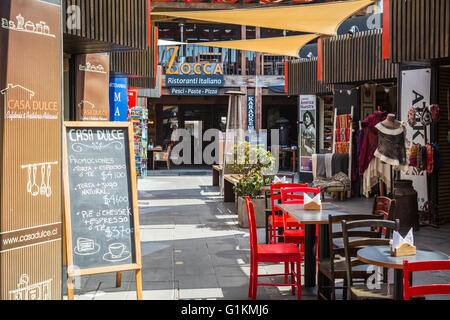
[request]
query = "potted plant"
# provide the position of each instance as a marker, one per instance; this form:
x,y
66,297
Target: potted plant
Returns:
x,y
251,162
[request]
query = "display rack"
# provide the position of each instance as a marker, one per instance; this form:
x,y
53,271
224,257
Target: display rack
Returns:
x,y
350,141
328,125
139,117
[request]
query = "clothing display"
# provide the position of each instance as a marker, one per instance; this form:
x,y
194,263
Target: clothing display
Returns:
x,y
376,171
425,158
338,180
392,146
369,141
322,165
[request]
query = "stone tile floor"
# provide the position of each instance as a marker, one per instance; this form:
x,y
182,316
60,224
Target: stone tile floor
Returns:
x,y
192,247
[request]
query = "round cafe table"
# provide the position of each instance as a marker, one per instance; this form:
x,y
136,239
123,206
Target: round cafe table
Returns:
x,y
381,256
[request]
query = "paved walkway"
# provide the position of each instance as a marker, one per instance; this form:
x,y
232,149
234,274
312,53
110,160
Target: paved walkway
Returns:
x,y
192,247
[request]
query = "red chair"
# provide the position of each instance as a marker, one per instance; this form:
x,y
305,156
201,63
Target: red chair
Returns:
x,y
432,289
295,196
280,252
276,221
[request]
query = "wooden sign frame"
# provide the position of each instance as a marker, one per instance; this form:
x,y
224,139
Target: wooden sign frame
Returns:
x,y
137,266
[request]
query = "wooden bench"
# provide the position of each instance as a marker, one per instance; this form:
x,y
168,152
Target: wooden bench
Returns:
x,y
216,171
230,180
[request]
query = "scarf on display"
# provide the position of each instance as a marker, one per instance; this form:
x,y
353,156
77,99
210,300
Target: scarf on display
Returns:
x,y
343,134
369,141
425,158
391,146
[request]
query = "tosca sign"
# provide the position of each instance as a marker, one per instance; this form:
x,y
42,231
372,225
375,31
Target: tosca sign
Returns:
x,y
194,91
186,68
195,81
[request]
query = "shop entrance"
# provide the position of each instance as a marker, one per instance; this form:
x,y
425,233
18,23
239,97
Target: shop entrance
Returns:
x,y
194,115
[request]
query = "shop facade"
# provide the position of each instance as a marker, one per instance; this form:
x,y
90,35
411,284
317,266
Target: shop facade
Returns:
x,y
428,67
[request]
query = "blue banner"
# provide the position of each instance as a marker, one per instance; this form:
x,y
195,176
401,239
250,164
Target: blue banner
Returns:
x,y
118,99
250,112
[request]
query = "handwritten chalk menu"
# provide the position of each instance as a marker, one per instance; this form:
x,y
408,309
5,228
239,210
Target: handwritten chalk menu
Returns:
x,y
102,217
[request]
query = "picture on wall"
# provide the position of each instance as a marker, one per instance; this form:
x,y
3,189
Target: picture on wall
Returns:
x,y
368,95
367,111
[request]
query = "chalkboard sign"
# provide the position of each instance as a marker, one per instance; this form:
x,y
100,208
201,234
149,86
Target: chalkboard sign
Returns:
x,y
101,215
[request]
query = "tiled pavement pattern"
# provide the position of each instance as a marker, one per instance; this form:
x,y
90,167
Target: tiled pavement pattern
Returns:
x,y
192,247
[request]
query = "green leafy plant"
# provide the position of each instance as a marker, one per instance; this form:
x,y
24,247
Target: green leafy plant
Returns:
x,y
251,162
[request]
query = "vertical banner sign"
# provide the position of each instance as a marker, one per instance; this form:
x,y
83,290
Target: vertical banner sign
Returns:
x,y
307,141
92,94
250,113
118,99
30,132
416,89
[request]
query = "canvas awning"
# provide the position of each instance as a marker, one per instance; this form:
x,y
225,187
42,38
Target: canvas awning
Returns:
x,y
282,46
323,18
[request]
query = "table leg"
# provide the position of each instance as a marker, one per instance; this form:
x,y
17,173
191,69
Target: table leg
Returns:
x,y
310,256
324,253
398,284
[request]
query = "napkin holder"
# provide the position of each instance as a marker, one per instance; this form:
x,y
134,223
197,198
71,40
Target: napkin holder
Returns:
x,y
405,249
312,204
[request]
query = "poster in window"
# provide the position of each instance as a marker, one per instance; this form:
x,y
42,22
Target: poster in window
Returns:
x,y
307,139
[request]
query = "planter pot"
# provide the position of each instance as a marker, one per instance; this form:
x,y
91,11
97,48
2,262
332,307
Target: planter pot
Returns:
x,y
260,217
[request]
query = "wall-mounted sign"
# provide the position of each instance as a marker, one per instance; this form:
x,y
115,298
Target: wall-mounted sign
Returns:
x,y
416,89
30,178
186,68
177,91
118,99
251,113
307,141
194,81
92,92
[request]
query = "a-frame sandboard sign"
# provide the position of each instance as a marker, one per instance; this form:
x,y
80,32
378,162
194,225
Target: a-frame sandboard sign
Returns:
x,y
101,218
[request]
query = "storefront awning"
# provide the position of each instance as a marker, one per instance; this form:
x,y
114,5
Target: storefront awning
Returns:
x,y
282,46
323,18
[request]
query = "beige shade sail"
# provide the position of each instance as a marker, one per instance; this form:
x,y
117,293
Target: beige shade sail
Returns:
x,y
323,18
282,46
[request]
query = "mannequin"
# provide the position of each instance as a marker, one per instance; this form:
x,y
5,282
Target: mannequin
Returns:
x,y
392,143
391,122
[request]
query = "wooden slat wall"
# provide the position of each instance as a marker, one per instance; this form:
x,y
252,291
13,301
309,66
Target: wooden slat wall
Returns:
x,y
355,58
107,25
419,30
140,65
443,128
302,78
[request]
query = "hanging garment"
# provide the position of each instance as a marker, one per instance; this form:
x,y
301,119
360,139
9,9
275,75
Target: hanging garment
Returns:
x,y
437,157
422,158
376,171
359,143
434,109
369,140
339,163
430,158
392,146
328,165
414,152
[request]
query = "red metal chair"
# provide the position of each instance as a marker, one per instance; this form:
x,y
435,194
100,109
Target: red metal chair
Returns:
x,y
280,252
296,196
413,291
276,221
